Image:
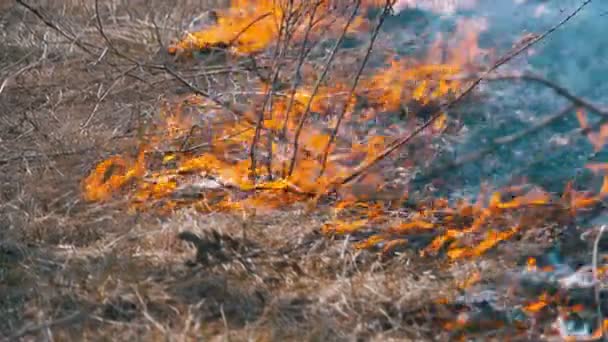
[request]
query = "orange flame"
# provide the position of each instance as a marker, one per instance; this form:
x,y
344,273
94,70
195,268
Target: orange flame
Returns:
x,y
531,265
111,175
543,301
251,26
222,171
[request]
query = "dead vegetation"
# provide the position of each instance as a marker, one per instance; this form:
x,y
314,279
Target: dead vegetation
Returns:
x,y
123,216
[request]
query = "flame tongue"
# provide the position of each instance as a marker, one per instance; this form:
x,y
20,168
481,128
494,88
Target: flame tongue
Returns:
x,y
111,175
251,26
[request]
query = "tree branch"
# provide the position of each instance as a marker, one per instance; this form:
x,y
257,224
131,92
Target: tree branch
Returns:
x,y
406,139
385,12
499,142
56,28
296,141
559,90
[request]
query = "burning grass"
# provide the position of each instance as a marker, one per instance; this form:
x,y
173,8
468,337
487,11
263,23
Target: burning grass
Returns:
x,y
221,210
245,27
303,156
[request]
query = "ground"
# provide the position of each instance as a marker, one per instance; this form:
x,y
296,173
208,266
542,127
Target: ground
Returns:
x,y
74,270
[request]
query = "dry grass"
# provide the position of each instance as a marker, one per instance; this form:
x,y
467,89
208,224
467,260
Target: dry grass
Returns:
x,y
73,271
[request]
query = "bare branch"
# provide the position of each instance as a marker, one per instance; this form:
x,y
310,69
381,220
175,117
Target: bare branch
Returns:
x,y
241,32
406,139
499,142
578,101
317,86
276,66
302,57
385,12
56,28
231,108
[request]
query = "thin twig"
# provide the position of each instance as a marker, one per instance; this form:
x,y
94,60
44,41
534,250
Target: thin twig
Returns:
x,y
499,142
43,156
107,40
196,90
56,28
225,321
17,73
301,58
157,33
31,329
387,10
296,81
577,100
255,68
216,71
104,95
227,137
279,52
296,141
8,67
164,68
74,40
241,32
146,313
406,139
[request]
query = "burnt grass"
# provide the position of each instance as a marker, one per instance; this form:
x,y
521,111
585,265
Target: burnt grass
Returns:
x,y
72,270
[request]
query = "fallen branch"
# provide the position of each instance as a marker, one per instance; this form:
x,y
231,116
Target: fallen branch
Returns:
x,y
31,329
499,142
577,100
43,156
56,28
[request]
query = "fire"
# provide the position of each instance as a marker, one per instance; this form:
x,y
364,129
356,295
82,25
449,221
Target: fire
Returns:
x,y
221,155
543,301
490,224
597,139
474,278
206,155
531,264
243,27
428,83
251,26
198,155
581,200
111,175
